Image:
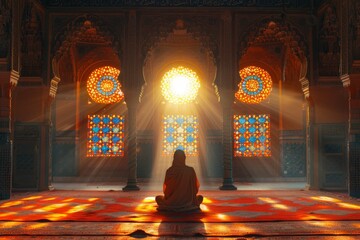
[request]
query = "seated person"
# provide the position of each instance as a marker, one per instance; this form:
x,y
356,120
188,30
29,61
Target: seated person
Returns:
x,y
180,187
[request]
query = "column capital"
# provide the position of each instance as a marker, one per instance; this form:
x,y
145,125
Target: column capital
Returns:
x,y
14,78
305,86
53,86
345,79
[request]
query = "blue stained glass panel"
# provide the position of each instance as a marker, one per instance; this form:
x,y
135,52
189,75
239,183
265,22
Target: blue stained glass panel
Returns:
x,y
183,129
252,135
105,136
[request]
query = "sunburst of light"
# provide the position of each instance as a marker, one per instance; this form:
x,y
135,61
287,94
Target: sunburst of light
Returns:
x,y
180,85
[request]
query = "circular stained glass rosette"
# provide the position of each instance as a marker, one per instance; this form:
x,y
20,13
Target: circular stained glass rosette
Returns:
x,y
180,85
255,86
103,86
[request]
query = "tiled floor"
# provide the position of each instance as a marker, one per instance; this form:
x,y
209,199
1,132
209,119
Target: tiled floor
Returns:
x,y
283,230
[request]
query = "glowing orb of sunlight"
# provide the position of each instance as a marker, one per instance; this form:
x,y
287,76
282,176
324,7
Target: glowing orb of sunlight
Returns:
x,y
180,85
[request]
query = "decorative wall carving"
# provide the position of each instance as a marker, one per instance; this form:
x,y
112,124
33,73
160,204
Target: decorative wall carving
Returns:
x,y
86,29
273,31
31,42
203,28
329,50
179,3
5,27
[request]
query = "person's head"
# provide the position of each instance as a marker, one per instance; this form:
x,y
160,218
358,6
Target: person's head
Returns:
x,y
179,157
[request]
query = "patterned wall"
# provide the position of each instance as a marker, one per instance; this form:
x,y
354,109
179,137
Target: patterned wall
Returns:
x,y
332,156
26,156
293,154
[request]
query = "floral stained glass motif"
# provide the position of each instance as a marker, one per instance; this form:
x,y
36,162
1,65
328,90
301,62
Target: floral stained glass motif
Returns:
x,y
252,136
255,85
180,132
103,86
105,135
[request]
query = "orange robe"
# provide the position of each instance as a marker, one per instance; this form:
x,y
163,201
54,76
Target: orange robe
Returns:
x,y
180,188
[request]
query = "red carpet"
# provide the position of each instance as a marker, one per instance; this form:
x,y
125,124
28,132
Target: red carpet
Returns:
x,y
218,206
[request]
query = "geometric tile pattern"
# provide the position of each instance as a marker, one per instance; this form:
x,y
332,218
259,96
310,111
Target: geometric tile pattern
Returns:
x,y
180,132
252,135
105,136
242,206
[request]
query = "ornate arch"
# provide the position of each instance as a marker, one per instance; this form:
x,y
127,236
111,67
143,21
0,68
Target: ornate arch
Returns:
x,y
86,28
204,29
278,31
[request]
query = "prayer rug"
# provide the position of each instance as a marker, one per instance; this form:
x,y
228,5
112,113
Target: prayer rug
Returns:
x,y
218,206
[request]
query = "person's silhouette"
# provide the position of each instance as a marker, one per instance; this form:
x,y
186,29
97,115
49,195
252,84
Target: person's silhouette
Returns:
x,y
180,187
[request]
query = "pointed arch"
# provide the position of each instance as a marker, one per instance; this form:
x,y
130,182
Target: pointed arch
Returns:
x,y
86,28
273,30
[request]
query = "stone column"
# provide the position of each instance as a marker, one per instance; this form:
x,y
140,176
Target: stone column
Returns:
x,y
132,104
227,99
131,91
227,136
311,173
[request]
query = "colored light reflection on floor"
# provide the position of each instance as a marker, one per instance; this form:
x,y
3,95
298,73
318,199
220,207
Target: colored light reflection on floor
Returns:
x,y
48,199
280,206
93,199
207,200
51,207
68,200
321,224
11,204
38,225
267,200
7,214
325,198
148,204
222,217
31,198
56,216
9,224
28,207
349,205
79,208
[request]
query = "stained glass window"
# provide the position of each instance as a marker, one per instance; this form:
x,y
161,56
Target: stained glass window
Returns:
x,y
252,135
105,135
255,85
180,132
103,86
180,85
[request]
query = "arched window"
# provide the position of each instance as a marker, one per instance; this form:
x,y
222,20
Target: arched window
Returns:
x,y
105,132
180,85
252,132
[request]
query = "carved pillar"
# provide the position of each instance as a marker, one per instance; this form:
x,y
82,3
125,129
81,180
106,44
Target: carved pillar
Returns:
x,y
227,138
132,104
49,142
227,100
312,175
131,86
8,80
